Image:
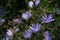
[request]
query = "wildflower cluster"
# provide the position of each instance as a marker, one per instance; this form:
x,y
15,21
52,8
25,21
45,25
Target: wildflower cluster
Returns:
x,y
35,20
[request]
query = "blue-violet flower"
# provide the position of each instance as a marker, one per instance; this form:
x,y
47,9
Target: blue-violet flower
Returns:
x,y
47,18
26,15
27,34
35,27
47,36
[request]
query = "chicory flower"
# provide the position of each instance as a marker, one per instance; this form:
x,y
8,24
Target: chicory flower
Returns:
x,y
17,21
47,18
47,36
35,27
26,15
9,34
27,34
30,4
37,2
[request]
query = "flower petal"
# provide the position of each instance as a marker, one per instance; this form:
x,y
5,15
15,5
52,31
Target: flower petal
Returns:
x,y
50,16
37,2
27,34
31,3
